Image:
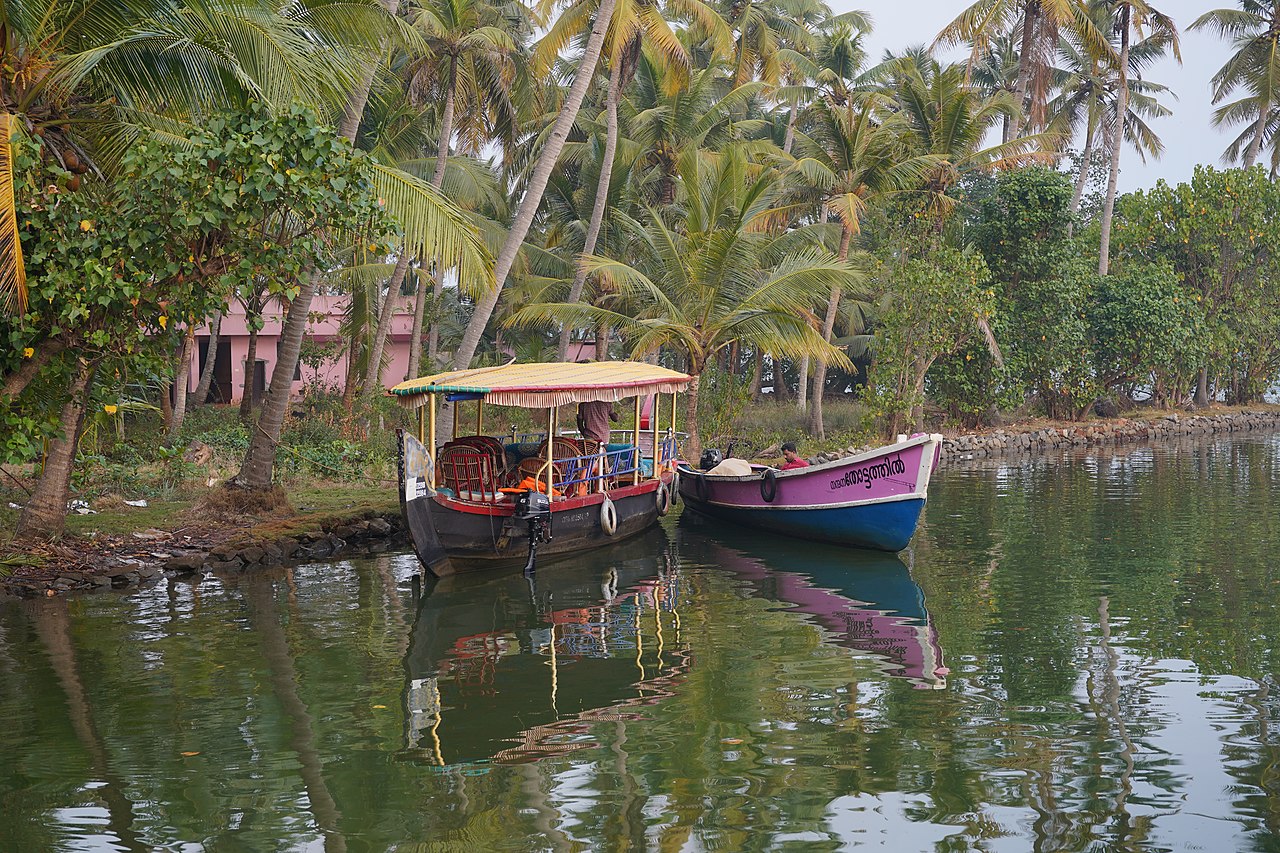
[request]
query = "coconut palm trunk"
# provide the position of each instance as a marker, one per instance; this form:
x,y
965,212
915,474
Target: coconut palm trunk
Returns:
x,y
181,381
1030,20
259,460
433,334
816,427
415,339
211,356
45,514
602,197
1259,131
437,181
373,375
1117,142
537,186
250,368
1082,179
693,441
802,385
757,374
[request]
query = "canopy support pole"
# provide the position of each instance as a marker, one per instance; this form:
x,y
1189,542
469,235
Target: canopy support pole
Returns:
x,y
673,422
635,442
431,437
480,416
551,448
657,449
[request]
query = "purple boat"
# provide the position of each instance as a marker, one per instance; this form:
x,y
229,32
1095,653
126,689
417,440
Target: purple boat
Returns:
x,y
869,500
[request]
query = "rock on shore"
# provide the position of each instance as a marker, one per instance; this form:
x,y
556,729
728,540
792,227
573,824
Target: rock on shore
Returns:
x,y
1015,441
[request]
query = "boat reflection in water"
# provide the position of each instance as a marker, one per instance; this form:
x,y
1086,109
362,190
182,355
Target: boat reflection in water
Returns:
x,y
504,668
865,600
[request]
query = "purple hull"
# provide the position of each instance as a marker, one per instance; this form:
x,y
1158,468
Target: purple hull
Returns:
x,y
871,500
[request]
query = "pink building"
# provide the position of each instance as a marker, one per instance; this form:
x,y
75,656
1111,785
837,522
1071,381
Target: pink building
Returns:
x,y
327,313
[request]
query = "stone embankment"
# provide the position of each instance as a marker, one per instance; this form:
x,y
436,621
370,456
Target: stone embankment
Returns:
x,y
1005,442
158,556
1030,441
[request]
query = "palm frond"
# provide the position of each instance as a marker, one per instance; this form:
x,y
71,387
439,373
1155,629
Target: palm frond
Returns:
x,y
13,272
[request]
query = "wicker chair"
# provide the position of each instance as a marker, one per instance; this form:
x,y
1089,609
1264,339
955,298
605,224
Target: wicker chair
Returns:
x,y
489,445
469,473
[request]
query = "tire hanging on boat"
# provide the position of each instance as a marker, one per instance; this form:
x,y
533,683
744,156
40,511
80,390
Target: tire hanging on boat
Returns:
x,y
663,499
608,517
700,486
769,486
675,487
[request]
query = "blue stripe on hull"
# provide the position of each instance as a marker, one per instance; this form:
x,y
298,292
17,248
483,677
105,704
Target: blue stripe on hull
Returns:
x,y
884,526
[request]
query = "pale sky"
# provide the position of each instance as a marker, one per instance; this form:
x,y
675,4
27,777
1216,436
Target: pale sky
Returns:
x,y
1187,135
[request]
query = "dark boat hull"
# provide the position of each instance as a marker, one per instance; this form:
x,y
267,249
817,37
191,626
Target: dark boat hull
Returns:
x,y
452,536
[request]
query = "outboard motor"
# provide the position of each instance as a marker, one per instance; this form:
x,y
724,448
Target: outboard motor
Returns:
x,y
534,509
711,457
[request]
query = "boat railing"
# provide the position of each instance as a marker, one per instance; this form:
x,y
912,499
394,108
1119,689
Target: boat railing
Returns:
x,y
597,470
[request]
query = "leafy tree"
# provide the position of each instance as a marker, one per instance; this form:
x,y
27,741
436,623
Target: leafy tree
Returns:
x,y
714,276
90,81
1022,232
115,264
934,305
1146,331
1220,231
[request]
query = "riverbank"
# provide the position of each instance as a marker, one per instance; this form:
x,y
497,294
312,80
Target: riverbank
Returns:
x,y
120,546
1035,437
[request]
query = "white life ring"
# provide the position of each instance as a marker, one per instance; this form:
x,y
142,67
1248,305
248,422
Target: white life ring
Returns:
x,y
608,517
663,499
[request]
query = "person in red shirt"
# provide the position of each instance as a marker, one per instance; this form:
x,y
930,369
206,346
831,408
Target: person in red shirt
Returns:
x,y
791,458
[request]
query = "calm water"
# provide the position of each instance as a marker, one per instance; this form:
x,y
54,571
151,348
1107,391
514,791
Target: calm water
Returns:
x,y
1078,653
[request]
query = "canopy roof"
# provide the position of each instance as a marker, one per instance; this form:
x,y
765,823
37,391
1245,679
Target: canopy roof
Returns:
x,y
541,386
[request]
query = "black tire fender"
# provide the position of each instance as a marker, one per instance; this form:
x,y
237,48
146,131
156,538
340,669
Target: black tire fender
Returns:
x,y
769,486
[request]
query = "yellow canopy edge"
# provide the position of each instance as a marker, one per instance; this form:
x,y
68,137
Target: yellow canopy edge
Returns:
x,y
547,384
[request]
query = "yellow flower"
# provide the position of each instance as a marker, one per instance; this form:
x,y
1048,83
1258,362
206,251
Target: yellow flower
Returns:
x,y
27,352
86,225
164,322
110,409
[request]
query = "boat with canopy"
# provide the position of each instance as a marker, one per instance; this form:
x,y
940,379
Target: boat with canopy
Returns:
x,y
477,499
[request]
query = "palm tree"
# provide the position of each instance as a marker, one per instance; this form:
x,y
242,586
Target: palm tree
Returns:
x,y
468,67
1038,25
995,71
665,125
1254,29
948,118
1128,16
850,155
636,25
714,275
537,184
1086,94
